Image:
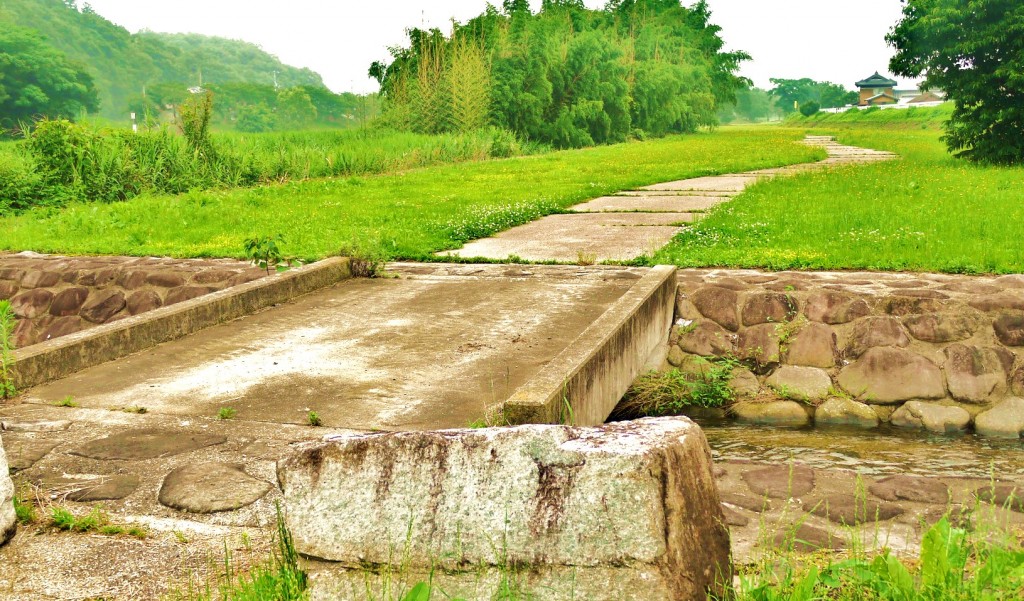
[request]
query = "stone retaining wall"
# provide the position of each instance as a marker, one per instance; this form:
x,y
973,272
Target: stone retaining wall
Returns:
x,y
53,296
934,351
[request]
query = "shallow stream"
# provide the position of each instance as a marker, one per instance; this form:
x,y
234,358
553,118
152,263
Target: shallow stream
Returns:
x,y
880,451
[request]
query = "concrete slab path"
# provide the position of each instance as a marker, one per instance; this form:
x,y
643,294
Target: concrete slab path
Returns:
x,y
599,230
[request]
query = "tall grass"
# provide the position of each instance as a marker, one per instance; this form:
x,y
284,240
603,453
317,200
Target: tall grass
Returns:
x,y
61,162
396,215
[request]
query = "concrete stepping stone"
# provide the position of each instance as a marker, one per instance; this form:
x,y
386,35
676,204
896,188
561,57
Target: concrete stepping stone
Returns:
x,y
804,538
664,204
55,425
635,218
754,504
733,517
911,488
90,488
137,445
211,487
848,510
714,183
1003,495
563,238
780,481
25,452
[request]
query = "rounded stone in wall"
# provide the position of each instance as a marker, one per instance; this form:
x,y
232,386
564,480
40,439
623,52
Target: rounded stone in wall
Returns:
x,y
760,343
68,301
40,279
846,412
835,307
706,338
941,327
103,306
798,382
61,326
8,289
1005,420
933,417
879,330
142,301
813,346
769,307
776,413
165,279
31,303
185,293
974,375
719,305
1009,328
886,375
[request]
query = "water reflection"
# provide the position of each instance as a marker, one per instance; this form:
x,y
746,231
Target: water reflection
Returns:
x,y
871,452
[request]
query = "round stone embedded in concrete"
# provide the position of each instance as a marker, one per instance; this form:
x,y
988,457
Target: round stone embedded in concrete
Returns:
x,y
91,488
146,444
911,488
848,510
211,487
25,452
780,481
1003,495
805,538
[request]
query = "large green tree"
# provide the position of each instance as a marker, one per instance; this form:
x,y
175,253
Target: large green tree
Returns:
x,y
37,80
974,51
793,93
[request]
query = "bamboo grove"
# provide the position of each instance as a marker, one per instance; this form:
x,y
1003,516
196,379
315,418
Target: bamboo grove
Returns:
x,y
567,75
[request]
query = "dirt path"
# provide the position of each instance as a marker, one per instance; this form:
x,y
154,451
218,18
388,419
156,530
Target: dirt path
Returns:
x,y
633,223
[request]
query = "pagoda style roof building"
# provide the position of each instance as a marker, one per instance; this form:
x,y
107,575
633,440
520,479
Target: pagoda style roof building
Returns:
x,y
877,90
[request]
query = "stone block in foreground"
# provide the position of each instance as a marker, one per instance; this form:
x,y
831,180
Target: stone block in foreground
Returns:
x,y
625,510
8,522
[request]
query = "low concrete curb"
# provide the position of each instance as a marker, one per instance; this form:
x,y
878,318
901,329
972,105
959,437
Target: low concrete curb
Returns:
x,y
63,356
583,384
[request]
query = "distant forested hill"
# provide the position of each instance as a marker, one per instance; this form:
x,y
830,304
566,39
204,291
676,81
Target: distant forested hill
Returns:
x,y
121,64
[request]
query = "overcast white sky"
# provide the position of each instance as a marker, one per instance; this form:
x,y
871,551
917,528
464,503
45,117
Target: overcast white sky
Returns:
x,y
834,40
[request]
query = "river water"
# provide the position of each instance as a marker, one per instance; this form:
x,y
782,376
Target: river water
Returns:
x,y
876,452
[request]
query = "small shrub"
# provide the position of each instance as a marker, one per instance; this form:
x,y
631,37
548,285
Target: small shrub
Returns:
x,y
364,261
314,419
265,253
669,393
227,413
809,108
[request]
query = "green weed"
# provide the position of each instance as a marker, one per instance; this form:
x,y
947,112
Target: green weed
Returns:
x,y
227,413
68,401
313,419
278,577
7,323
704,384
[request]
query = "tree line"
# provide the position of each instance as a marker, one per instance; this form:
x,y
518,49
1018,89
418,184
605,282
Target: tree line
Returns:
x,y
567,75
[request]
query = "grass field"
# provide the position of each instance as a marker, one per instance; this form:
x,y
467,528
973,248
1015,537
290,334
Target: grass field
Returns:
x,y
405,215
925,212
